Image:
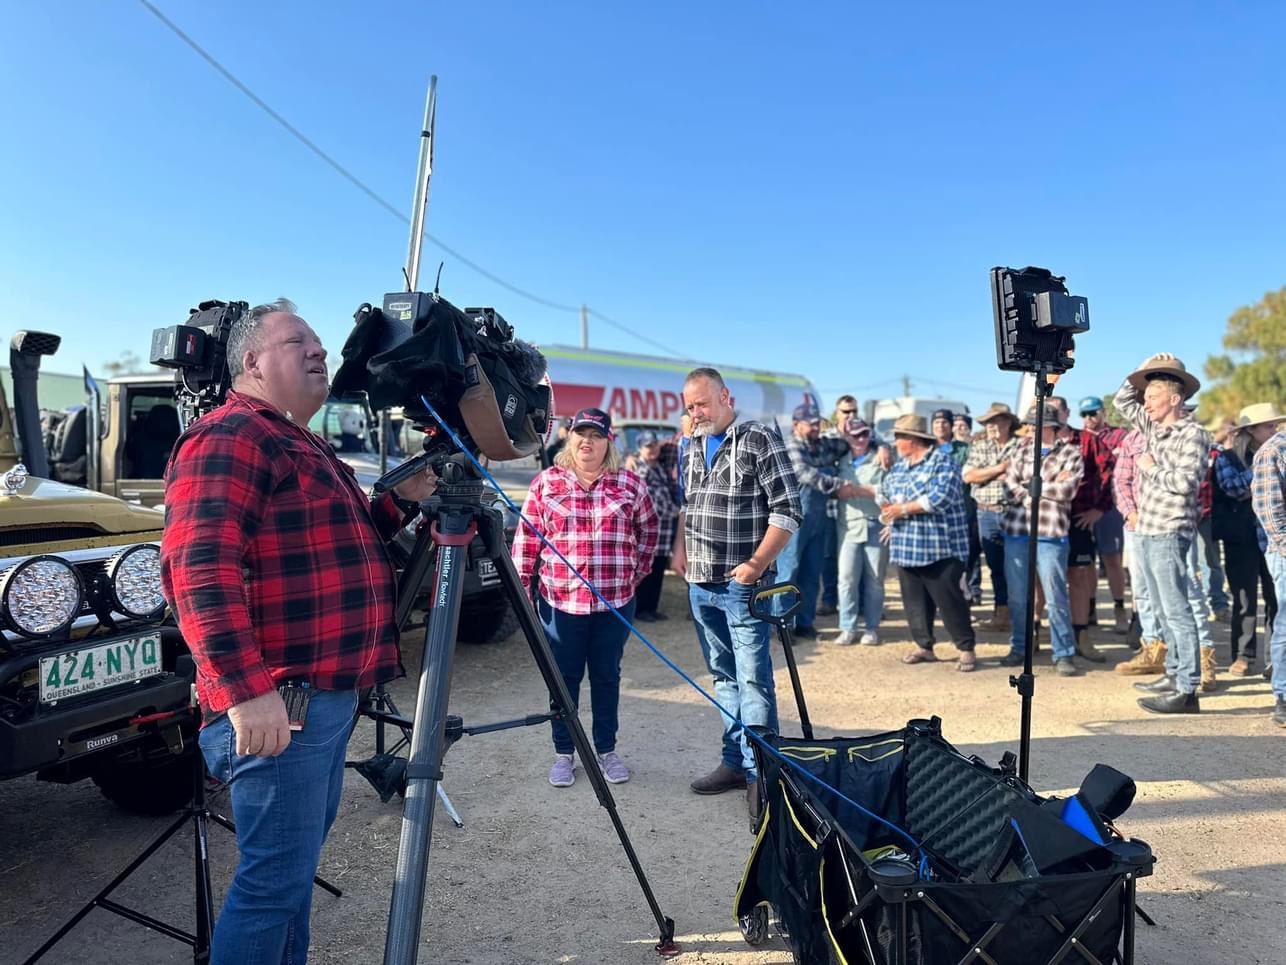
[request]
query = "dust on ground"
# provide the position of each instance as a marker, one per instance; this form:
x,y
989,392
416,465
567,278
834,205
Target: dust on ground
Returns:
x,y
537,875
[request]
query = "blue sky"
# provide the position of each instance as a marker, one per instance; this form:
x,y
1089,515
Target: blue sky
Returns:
x,y
817,188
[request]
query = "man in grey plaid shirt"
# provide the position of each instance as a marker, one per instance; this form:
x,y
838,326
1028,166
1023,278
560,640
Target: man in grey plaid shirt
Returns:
x,y
741,505
1268,495
1171,469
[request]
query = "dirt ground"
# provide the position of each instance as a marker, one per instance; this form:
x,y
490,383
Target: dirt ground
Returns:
x,y
537,876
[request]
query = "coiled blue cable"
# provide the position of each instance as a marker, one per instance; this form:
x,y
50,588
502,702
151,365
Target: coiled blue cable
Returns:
x,y
762,744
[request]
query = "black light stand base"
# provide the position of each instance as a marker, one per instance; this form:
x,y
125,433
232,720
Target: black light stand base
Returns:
x,y
197,813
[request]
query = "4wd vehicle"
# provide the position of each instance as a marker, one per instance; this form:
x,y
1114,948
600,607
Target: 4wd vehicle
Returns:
x,y
93,682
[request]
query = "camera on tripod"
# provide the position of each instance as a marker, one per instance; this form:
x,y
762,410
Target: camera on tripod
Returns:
x,y
487,385
1036,320
198,352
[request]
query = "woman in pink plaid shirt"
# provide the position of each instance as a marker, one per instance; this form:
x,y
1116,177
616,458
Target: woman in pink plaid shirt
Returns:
x,y
601,519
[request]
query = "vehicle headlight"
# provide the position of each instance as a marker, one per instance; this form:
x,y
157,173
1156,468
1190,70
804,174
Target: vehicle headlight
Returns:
x,y
134,579
41,596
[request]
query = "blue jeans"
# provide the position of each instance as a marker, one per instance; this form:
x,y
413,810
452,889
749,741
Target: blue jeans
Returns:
x,y
737,651
801,561
862,565
1277,642
593,641
1149,628
1211,567
1198,598
283,807
993,549
1163,564
1051,569
830,566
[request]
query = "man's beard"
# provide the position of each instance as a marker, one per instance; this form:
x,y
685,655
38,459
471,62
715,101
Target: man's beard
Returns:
x,y
702,429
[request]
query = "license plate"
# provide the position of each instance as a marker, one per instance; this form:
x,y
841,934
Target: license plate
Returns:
x,y
106,665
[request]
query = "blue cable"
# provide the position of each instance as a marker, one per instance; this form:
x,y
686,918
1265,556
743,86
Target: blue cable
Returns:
x,y
764,745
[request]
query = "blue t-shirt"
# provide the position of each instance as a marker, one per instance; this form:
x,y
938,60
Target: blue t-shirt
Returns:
x,y
712,446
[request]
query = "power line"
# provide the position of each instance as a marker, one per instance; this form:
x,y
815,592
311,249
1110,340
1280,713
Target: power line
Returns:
x,y
370,192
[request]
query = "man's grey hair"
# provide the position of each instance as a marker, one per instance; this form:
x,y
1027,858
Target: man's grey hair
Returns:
x,y
245,331
706,372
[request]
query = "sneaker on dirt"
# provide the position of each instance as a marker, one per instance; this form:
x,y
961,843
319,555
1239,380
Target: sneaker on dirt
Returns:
x,y
563,773
614,768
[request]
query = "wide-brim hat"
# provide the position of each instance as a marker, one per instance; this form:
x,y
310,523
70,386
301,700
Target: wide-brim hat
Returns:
x,y
915,426
1170,367
1053,416
1259,414
999,410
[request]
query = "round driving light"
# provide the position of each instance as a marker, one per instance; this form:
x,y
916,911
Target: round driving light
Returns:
x,y
134,578
41,596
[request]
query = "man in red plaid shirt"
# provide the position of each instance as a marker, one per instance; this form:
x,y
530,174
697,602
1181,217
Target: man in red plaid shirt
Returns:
x,y
273,560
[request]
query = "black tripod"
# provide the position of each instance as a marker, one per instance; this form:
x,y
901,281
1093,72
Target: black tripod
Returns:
x,y
196,812
452,518
1025,683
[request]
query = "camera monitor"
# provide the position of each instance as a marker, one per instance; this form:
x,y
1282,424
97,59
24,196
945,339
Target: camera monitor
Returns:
x,y
1036,320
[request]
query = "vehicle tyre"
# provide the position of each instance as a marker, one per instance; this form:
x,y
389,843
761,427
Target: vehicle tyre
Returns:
x,y
486,618
754,926
148,785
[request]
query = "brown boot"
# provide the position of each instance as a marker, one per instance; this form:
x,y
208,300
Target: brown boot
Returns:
x,y
1149,660
1208,677
1085,648
722,778
999,622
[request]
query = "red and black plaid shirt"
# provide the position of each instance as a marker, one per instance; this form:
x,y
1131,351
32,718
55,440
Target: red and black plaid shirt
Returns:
x,y
1095,491
274,560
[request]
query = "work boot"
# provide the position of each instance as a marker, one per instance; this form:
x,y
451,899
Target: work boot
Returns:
x,y
1085,648
1122,619
999,622
1162,685
722,778
1066,667
1175,703
1149,660
1208,668
1242,666
1279,712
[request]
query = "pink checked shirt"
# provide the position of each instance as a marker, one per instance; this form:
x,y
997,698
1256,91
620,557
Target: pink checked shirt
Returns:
x,y
608,532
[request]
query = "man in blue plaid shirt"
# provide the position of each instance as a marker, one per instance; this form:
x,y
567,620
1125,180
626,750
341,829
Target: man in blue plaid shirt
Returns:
x,y
1268,493
922,506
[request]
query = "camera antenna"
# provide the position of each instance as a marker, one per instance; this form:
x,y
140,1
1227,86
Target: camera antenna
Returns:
x,y
423,175
437,282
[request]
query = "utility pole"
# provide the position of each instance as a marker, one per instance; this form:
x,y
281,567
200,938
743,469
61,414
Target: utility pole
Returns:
x,y
906,385
584,326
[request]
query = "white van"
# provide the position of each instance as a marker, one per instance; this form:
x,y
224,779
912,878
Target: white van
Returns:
x,y
883,413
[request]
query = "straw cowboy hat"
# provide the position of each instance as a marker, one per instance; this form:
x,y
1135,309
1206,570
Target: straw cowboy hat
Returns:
x,y
1173,368
999,410
1258,414
913,425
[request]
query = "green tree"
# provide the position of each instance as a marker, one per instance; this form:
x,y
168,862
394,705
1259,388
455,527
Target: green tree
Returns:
x,y
1253,368
127,363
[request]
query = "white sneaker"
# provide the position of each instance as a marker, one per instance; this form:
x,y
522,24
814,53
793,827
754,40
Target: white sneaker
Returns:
x,y
870,639
846,638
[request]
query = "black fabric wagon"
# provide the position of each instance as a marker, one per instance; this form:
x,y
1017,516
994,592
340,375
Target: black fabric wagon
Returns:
x,y
928,856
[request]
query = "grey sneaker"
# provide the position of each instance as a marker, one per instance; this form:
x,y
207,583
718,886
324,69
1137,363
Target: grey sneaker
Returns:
x,y
563,773
614,768
846,638
870,639
1066,667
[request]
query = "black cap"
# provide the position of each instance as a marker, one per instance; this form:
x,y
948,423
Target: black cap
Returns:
x,y
593,419
944,414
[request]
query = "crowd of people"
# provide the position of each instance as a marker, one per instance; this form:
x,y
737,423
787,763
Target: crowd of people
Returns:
x,y
276,565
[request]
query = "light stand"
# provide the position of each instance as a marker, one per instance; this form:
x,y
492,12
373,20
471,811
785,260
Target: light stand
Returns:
x,y
1025,683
